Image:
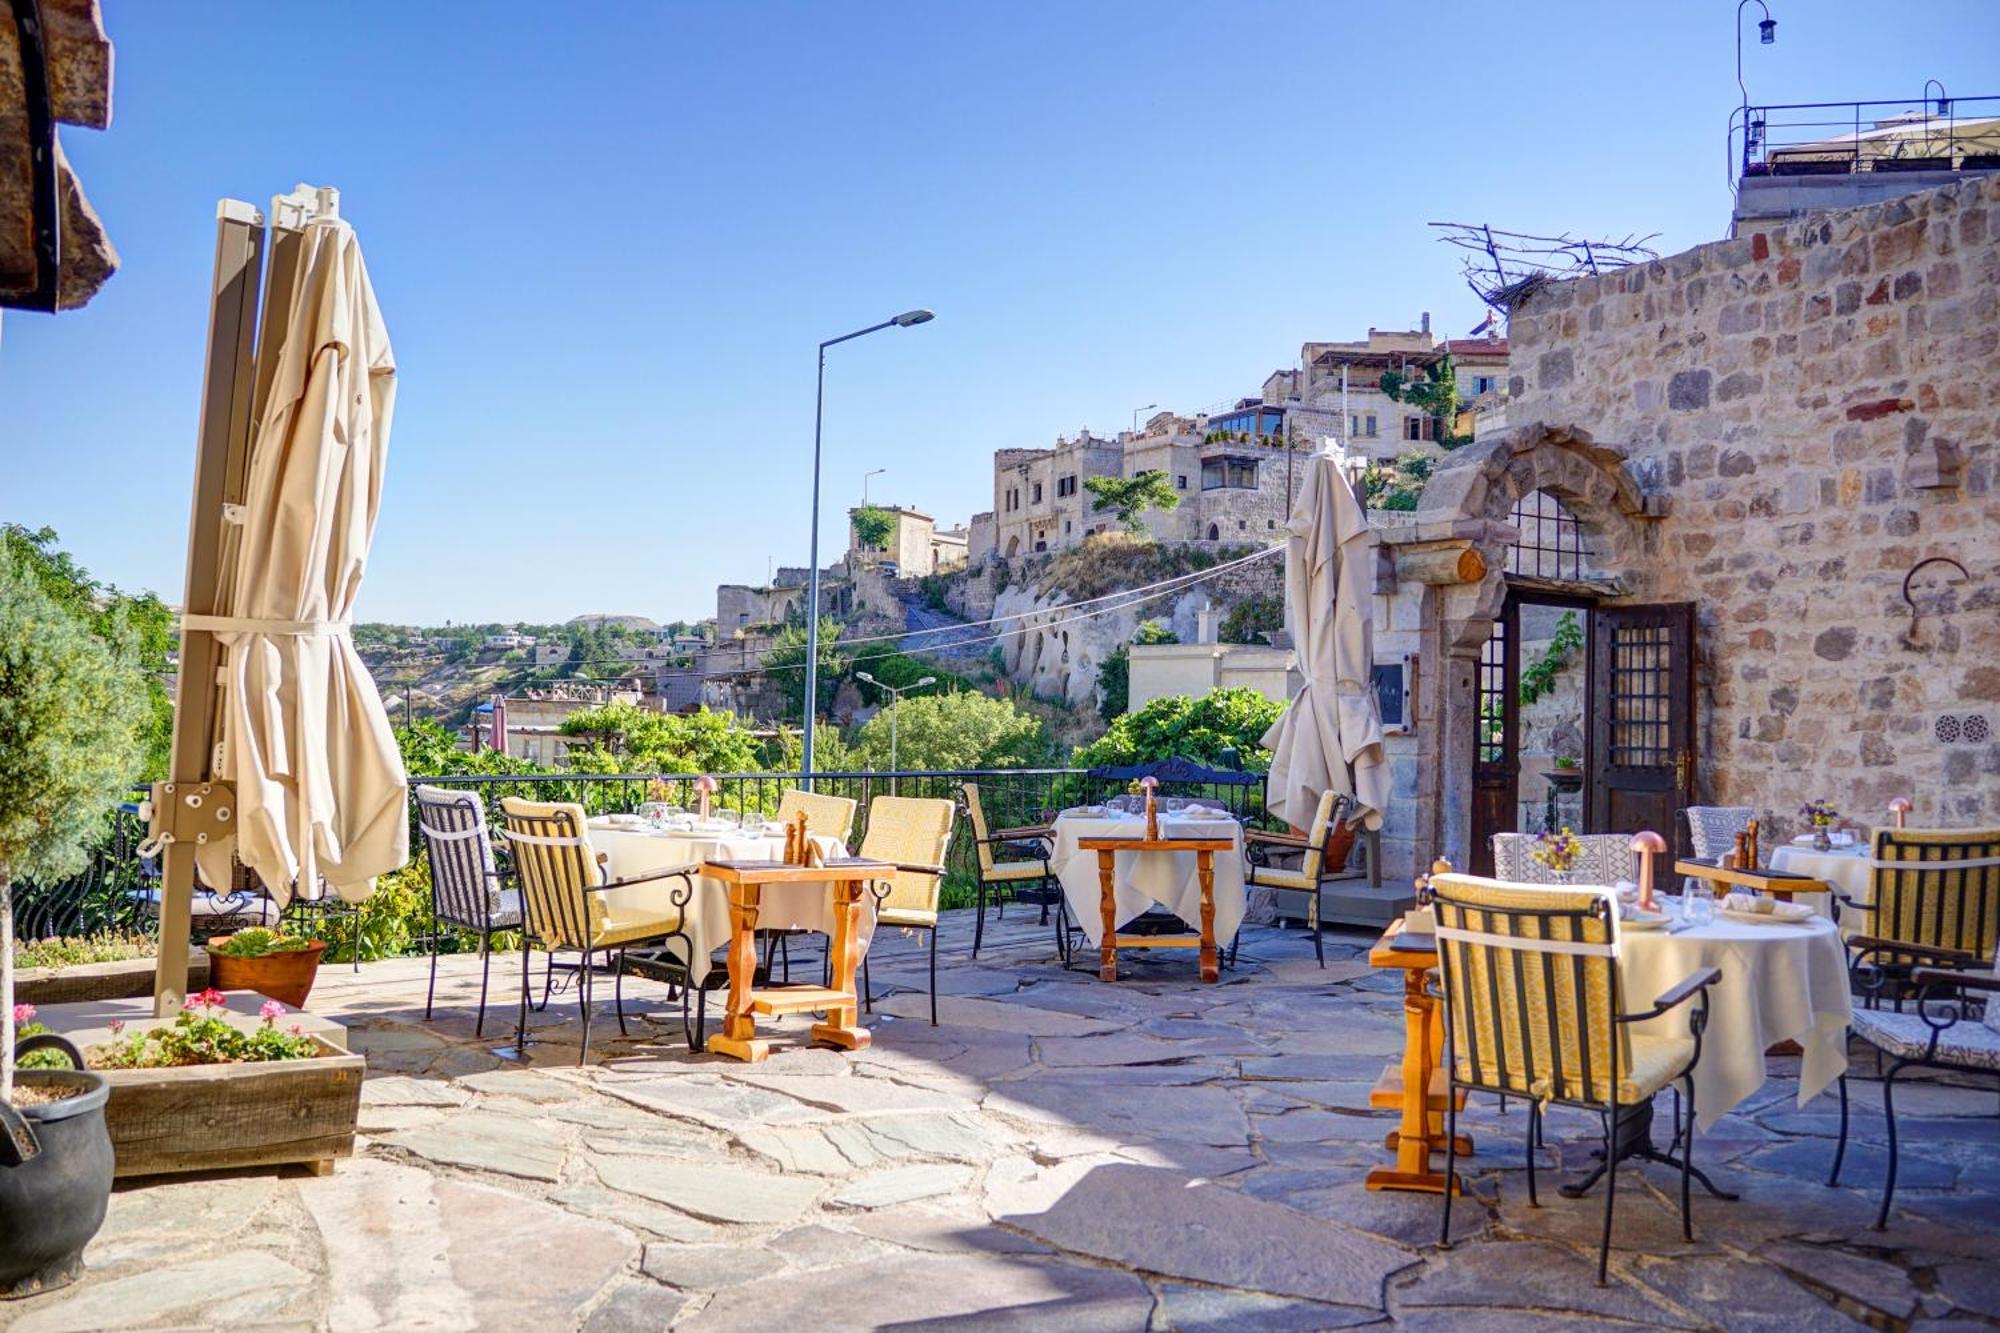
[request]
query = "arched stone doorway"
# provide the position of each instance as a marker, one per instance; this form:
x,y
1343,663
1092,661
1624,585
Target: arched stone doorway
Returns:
x,y
1558,522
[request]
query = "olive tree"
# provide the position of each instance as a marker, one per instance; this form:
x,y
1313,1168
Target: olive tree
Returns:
x,y
73,705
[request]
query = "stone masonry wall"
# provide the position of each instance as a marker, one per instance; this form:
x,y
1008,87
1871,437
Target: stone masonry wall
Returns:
x,y
1820,401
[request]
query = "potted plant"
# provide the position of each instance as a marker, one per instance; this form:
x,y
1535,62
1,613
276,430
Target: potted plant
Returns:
x,y
1568,774
273,964
71,708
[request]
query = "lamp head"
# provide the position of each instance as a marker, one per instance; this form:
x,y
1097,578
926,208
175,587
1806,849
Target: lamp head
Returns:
x,y
1649,841
909,317
1767,31
863,675
927,680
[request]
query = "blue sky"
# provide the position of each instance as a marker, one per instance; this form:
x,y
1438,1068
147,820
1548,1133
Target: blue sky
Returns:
x,y
606,248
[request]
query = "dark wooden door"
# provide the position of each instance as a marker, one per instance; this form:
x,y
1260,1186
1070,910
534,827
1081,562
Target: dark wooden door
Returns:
x,y
1642,717
1495,762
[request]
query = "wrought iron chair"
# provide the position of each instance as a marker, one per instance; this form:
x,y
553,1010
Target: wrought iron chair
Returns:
x,y
1316,860
1712,830
1934,917
1013,864
563,888
826,817
913,834
1607,858
1533,1009
465,882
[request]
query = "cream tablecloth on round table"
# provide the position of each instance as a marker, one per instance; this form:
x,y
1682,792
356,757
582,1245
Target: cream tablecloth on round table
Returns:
x,y
1146,878
1779,983
1849,869
641,851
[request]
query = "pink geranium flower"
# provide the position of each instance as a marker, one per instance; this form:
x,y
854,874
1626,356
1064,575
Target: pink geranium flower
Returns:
x,y
272,1011
24,1013
211,998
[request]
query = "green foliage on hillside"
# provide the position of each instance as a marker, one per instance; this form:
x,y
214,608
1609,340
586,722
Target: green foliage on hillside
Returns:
x,y
873,527
111,615
625,738
950,731
1198,728
786,662
1128,498
1434,393
1253,618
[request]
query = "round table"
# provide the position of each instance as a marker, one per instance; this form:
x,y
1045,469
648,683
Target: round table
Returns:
x,y
1145,878
1780,982
636,850
1849,869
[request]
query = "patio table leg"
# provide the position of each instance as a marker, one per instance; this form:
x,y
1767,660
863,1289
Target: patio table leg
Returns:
x,y
843,1024
1205,868
739,1030
1107,906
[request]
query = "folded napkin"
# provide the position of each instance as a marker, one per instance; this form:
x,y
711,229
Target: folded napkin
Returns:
x,y
1750,903
625,821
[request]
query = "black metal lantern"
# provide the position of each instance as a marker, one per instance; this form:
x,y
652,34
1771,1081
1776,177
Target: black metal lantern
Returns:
x,y
1767,31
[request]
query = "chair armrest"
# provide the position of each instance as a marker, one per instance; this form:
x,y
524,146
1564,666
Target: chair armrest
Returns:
x,y
1020,834
1982,981
1865,944
1694,983
918,868
684,875
1276,839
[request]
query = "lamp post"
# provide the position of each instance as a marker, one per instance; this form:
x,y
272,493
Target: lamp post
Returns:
x,y
865,477
1135,415
895,704
902,321
1767,33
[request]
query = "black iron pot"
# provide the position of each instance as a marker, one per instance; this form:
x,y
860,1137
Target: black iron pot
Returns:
x,y
55,1175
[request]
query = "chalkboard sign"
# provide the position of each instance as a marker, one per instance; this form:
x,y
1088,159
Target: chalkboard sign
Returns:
x,y
1392,693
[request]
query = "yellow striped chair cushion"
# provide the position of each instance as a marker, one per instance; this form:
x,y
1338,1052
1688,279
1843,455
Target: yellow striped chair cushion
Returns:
x,y
909,830
1568,1000
1955,908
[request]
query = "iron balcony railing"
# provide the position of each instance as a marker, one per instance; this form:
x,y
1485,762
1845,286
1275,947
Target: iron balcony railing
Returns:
x,y
1841,138
113,892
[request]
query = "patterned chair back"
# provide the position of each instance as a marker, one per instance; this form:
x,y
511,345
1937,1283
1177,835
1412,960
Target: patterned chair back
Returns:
x,y
826,816
555,864
913,831
1607,858
1940,887
1531,988
465,878
1712,829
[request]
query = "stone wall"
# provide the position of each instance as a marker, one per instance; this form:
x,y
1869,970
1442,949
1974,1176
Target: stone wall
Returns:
x,y
1818,404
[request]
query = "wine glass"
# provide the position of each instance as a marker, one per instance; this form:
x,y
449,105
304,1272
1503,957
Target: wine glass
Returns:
x,y
1698,903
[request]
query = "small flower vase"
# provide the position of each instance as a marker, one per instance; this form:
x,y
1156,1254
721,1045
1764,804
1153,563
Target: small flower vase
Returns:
x,y
1822,841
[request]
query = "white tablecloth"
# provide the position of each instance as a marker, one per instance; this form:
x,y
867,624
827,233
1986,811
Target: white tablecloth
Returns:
x,y
1146,878
639,851
1849,869
1779,983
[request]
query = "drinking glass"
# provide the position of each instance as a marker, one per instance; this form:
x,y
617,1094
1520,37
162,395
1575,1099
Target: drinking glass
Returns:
x,y
1698,904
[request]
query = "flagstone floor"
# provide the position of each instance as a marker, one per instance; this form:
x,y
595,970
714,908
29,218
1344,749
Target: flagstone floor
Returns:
x,y
1057,1153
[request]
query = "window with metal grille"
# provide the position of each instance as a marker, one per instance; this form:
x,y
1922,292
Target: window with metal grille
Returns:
x,y
1493,694
1641,690
1551,542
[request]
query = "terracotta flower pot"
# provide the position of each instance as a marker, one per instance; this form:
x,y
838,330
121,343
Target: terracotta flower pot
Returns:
x,y
286,977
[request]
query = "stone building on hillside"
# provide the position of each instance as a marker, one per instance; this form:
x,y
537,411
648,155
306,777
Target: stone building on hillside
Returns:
x,y
1235,469
916,545
1763,474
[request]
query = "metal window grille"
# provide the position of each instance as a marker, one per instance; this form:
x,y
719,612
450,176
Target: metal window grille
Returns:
x,y
1551,542
1641,677
1493,694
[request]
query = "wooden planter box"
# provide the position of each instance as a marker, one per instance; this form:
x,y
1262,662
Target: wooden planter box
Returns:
x,y
210,1117
83,983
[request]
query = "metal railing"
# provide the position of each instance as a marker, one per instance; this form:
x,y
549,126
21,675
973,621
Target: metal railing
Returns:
x,y
111,892
1841,138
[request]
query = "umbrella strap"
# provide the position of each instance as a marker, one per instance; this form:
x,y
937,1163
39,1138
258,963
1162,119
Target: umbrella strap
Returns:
x,y
260,625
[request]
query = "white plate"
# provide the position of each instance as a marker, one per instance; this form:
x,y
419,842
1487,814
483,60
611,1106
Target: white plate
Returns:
x,y
1657,921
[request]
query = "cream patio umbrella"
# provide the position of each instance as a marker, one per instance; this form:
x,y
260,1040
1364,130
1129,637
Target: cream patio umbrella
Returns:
x,y
1331,733
319,783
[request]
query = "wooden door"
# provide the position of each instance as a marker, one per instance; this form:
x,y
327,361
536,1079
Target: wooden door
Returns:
x,y
1641,737
1495,763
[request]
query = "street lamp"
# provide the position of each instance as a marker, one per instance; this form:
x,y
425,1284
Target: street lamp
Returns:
x,y
895,703
1135,415
902,321
873,472
1767,33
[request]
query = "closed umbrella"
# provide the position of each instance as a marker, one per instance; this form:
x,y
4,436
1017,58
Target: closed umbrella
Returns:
x,y
320,786
496,731
1330,736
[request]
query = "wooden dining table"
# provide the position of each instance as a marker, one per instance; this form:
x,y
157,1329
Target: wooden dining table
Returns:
x,y
845,879
1107,850
1415,1084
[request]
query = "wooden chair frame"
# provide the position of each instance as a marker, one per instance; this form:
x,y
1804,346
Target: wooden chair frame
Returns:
x,y
1049,890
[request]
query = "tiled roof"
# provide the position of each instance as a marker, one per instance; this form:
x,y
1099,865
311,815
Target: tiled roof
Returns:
x,y
1477,347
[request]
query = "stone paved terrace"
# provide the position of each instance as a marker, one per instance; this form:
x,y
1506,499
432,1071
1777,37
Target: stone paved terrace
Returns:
x,y
1059,1153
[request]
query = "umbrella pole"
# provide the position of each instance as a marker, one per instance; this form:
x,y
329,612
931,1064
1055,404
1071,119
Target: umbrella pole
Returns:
x,y
191,806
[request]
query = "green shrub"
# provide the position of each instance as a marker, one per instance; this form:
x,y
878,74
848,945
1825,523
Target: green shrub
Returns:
x,y
259,942
1253,618
1200,729
77,950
